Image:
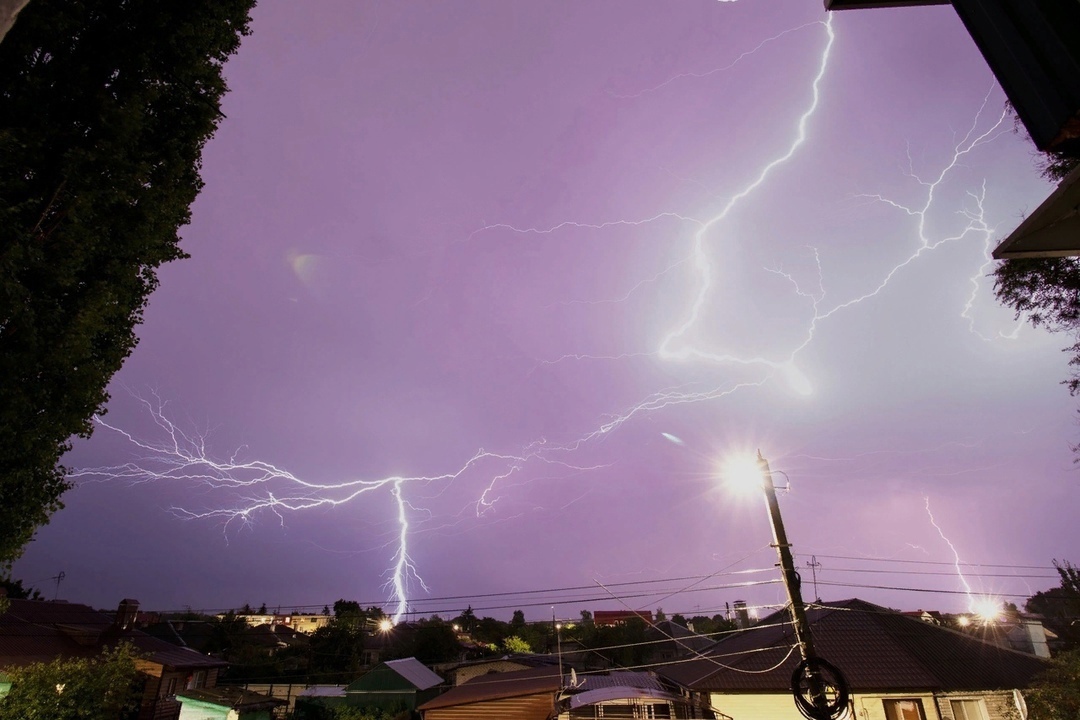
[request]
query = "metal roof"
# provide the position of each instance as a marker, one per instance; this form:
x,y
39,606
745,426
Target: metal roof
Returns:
x,y
232,697
608,694
415,672
496,686
619,679
877,649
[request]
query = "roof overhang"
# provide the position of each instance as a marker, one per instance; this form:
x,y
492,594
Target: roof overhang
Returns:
x,y
1053,230
864,4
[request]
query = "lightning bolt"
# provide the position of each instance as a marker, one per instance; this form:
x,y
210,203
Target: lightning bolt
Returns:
x,y
985,607
258,487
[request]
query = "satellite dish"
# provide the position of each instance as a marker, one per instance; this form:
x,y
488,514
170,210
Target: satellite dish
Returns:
x,y
573,678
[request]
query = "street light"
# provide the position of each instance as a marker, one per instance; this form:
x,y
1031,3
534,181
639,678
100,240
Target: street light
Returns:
x,y
808,683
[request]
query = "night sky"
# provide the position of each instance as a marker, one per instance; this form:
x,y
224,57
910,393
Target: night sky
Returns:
x,y
548,264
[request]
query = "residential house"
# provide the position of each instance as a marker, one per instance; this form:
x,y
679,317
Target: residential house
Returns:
x,y
463,672
226,703
541,693
521,695
302,623
626,694
394,685
41,631
897,668
618,617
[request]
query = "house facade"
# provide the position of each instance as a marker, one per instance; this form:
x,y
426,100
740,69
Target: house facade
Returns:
x,y
897,668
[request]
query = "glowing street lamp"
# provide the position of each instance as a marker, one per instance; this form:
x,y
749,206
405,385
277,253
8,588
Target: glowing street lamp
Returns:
x,y
386,625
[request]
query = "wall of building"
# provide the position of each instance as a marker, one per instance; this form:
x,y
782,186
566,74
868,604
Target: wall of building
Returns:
x,y
754,706
996,705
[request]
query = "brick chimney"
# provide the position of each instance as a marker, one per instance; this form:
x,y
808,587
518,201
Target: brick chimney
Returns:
x,y
126,614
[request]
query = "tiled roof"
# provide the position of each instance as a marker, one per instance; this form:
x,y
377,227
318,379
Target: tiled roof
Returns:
x,y
877,649
496,686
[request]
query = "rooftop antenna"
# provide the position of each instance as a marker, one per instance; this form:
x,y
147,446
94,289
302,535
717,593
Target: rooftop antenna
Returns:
x,y
57,578
813,564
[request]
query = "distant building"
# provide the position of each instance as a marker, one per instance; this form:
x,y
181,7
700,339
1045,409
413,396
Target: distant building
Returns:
x,y
618,617
306,624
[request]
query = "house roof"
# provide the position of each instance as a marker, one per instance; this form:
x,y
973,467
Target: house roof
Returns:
x,y
496,686
607,694
877,649
683,640
619,679
42,631
415,672
232,697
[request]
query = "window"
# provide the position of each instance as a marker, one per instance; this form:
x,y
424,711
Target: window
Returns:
x,y
968,709
170,688
197,680
904,709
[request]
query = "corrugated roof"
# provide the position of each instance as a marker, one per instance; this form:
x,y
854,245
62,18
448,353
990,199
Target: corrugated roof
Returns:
x,y
415,672
608,694
232,697
499,685
323,691
876,648
619,678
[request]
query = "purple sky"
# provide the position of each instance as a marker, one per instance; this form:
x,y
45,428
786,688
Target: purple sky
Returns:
x,y
431,229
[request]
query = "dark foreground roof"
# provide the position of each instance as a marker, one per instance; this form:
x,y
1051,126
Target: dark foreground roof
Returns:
x,y
877,649
497,686
42,631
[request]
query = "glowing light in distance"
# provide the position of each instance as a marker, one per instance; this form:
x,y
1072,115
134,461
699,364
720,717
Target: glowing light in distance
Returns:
x,y
742,474
386,625
963,620
987,609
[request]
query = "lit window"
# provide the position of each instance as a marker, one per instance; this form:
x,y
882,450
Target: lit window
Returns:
x,y
968,709
904,709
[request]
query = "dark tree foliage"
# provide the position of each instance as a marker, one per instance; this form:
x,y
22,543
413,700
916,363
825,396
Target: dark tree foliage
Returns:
x,y
1055,694
107,687
105,106
1060,606
15,590
1046,290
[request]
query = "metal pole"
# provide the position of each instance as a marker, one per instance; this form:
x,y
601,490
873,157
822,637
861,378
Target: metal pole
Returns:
x,y
791,584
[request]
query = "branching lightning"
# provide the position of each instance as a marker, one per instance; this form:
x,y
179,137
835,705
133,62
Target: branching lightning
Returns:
x,y
258,486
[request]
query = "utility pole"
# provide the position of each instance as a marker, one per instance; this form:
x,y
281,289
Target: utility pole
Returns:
x,y
821,706
813,564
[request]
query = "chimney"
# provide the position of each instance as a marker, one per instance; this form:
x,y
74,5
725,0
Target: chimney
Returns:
x,y
742,615
126,614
